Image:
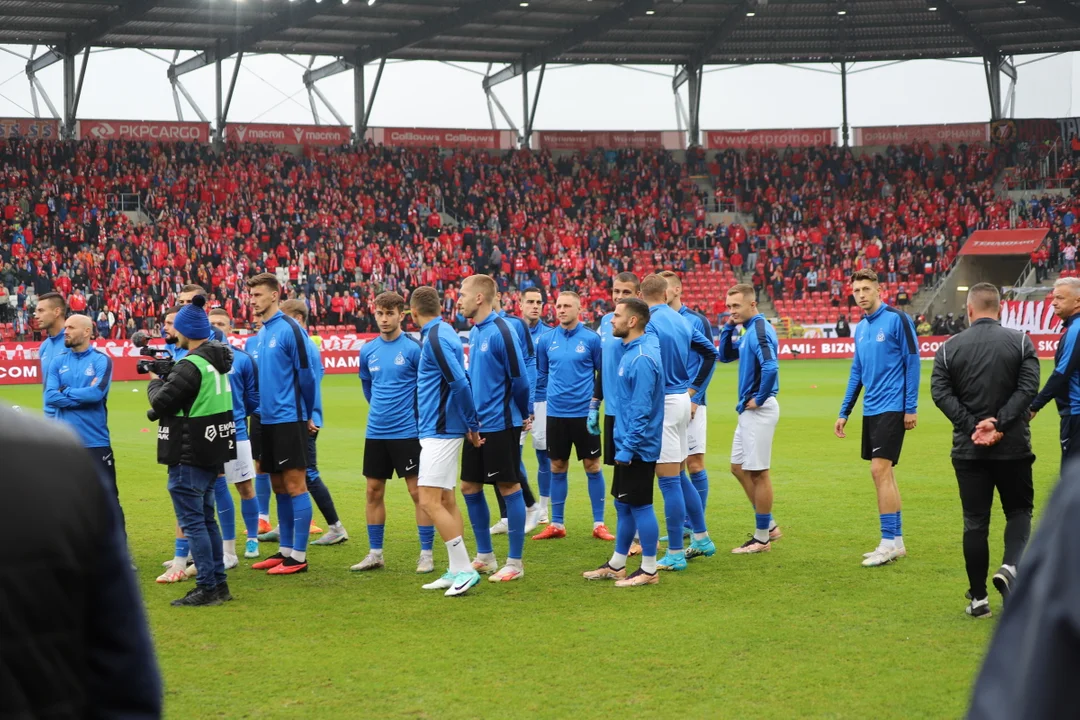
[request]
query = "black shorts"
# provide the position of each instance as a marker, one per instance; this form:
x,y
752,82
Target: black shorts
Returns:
x,y
1070,437
382,458
633,484
564,433
609,439
284,447
883,436
255,436
496,461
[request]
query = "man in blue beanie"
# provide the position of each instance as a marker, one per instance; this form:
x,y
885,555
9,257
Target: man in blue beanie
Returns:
x,y
196,437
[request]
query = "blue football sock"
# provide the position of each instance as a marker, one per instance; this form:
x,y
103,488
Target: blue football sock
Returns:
x,y
888,526
262,493
515,523
226,509
693,505
301,507
375,536
626,529
560,488
597,495
899,523
285,520
543,473
480,518
648,529
700,480
182,548
762,521
674,511
427,536
249,510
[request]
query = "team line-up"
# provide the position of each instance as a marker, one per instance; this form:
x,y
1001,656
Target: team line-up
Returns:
x,y
647,371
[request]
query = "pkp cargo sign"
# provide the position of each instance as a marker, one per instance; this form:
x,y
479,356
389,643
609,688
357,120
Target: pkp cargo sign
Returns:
x,y
143,130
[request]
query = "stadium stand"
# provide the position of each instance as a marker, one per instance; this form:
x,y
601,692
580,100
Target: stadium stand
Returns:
x,y
341,225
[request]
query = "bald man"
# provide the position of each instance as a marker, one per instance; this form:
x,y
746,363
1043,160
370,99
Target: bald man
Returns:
x,y
78,388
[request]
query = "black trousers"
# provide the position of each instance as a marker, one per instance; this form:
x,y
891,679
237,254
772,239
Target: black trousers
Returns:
x,y
1070,437
106,464
977,480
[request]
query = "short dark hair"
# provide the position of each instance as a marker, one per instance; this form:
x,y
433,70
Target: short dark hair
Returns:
x,y
984,297
53,297
628,277
653,286
295,307
864,274
744,289
637,308
197,289
390,300
534,289
425,301
172,311
267,279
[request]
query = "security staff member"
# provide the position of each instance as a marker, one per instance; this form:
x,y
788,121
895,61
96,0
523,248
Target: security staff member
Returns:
x,y
196,437
984,380
1063,385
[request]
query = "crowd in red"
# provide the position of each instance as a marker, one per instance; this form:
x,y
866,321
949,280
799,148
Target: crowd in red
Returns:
x,y
339,226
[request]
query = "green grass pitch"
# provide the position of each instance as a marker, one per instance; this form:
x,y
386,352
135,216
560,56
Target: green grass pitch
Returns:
x,y
803,631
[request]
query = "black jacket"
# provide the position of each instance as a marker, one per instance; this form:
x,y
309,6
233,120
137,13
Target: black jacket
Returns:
x,y
987,371
177,393
73,637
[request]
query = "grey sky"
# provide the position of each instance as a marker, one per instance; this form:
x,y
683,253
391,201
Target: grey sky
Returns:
x,y
132,84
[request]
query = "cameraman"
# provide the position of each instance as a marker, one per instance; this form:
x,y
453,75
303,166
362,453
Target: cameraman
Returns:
x,y
196,436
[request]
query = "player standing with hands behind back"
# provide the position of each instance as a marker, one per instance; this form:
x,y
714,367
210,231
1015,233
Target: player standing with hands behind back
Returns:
x,y
887,364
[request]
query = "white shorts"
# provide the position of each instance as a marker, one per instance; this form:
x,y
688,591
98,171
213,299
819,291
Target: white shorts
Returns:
x,y
697,432
243,467
439,462
752,445
674,447
539,427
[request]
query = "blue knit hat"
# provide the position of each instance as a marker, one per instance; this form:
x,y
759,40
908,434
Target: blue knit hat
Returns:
x,y
191,321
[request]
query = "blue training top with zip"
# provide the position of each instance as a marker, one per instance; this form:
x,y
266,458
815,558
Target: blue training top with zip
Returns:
x,y
701,324
528,348
612,349
287,385
244,380
78,389
1063,385
50,347
759,371
677,340
500,383
317,371
388,376
566,366
886,363
443,395
639,385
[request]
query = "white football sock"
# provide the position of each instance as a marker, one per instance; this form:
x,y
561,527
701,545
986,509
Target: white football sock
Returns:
x,y
761,535
648,564
285,552
264,516
617,561
229,546
299,556
700,536
459,555
898,541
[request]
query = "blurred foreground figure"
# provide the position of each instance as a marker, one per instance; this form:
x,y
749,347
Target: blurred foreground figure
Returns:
x,y
1031,668
73,638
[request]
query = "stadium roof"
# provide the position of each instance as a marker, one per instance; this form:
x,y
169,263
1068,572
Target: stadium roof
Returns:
x,y
525,35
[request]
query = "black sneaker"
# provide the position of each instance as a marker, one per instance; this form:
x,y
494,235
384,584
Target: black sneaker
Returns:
x,y
979,609
223,593
198,597
1003,581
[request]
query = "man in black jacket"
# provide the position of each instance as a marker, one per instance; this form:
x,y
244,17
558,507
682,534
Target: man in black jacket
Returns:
x,y
196,437
984,380
73,637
